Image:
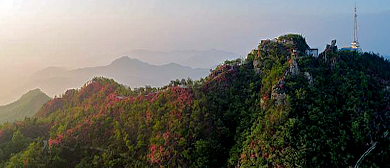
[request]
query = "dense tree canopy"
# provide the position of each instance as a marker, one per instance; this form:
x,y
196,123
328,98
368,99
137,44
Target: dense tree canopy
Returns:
x,y
276,108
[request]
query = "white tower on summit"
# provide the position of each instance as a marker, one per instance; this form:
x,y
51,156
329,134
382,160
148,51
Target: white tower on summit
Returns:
x,y
355,42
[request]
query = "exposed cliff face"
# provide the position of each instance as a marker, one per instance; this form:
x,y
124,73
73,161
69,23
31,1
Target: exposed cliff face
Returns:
x,y
282,52
329,55
294,68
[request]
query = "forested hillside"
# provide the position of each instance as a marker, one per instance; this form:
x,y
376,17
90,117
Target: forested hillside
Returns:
x,y
277,108
26,106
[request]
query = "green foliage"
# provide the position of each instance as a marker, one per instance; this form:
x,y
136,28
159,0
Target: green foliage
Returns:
x,y
27,106
299,41
326,115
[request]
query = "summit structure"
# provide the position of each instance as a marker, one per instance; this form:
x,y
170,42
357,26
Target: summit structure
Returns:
x,y
355,43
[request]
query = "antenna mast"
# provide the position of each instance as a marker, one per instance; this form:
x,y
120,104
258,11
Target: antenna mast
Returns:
x,y
355,43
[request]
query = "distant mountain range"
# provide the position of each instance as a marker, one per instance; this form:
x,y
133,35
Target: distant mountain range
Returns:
x,y
280,107
28,105
125,70
195,59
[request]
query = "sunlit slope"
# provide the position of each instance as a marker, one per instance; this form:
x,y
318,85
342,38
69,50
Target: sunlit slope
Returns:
x,y
26,106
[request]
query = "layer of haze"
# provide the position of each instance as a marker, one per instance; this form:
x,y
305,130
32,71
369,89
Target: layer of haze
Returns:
x,y
35,34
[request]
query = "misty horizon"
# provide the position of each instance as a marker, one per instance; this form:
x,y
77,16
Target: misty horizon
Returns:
x,y
194,83
39,34
36,35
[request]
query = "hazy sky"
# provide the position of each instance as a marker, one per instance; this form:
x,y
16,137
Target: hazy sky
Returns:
x,y
35,34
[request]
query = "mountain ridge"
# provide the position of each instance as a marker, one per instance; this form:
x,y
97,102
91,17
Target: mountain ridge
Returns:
x,y
128,71
280,107
26,106
193,58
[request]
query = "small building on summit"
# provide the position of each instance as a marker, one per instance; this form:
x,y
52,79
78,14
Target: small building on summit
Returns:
x,y
312,51
351,48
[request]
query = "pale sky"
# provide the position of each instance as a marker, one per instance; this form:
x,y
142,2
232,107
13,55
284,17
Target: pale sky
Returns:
x,y
35,34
